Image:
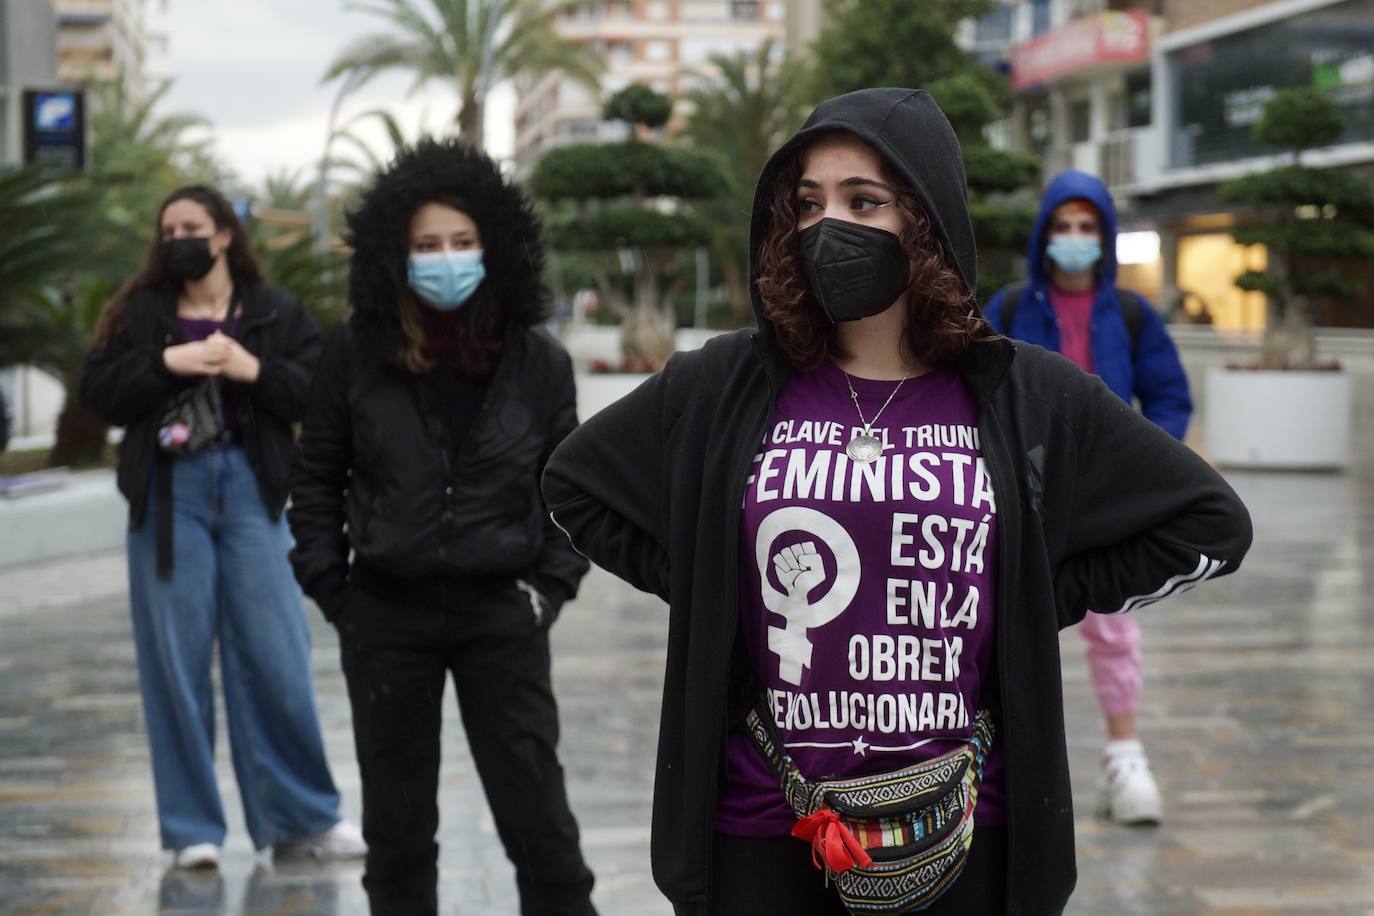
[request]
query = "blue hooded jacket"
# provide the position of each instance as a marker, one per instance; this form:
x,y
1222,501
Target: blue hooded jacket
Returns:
x,y
1153,374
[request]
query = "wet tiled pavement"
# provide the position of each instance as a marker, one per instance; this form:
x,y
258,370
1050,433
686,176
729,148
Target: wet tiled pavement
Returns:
x,y
1257,714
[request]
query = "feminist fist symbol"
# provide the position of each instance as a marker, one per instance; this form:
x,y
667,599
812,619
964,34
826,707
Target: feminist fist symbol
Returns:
x,y
799,569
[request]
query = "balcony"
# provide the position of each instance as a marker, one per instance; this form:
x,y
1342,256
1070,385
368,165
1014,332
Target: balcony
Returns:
x,y
1122,158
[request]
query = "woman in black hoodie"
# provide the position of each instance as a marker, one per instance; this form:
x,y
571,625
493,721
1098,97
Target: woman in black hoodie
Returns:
x,y
420,528
870,518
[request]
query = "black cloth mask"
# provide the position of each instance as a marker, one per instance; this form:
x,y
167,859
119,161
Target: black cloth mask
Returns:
x,y
187,259
855,271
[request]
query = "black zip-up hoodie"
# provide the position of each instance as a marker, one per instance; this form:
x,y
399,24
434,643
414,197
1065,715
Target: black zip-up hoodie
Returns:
x,y
431,514
1098,508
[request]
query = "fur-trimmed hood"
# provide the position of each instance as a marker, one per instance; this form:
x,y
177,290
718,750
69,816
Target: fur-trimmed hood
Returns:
x,y
379,231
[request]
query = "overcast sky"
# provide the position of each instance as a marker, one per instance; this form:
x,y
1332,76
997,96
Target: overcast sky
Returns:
x,y
252,68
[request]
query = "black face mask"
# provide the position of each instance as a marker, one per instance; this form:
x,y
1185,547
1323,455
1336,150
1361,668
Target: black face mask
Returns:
x,y
187,259
855,271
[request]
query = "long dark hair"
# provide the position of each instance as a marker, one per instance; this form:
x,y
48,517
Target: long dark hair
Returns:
x,y
243,264
941,318
480,324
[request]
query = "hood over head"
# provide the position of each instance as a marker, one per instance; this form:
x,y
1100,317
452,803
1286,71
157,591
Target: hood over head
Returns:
x,y
909,131
379,232
1064,187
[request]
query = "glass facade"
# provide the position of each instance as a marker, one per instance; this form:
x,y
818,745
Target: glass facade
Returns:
x,y
1220,86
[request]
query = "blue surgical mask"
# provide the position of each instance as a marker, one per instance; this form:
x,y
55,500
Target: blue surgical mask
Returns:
x,y
1074,253
446,279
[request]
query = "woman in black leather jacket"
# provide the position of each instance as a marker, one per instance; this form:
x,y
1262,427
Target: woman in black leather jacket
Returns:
x,y
434,410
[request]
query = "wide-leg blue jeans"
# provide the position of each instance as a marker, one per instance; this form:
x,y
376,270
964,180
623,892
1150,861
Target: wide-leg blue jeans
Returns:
x,y
232,584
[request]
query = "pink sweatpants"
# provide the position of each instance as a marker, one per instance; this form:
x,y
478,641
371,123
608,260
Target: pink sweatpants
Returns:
x,y
1114,660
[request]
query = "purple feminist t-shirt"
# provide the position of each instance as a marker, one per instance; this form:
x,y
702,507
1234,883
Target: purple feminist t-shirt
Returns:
x,y
868,591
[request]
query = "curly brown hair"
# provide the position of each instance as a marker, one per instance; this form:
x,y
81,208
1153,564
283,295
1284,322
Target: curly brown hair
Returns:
x,y
941,317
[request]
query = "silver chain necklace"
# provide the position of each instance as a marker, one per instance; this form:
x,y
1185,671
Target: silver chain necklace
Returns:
x,y
866,447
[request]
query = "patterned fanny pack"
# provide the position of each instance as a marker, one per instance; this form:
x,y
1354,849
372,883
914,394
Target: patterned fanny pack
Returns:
x,y
891,842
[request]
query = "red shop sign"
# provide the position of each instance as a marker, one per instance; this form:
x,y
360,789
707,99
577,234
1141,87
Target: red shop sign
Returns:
x,y
1115,37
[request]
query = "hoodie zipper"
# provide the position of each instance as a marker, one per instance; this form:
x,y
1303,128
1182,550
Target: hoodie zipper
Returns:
x,y
1006,536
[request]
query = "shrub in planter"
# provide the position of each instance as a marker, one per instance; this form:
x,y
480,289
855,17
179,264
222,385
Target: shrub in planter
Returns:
x,y
1311,221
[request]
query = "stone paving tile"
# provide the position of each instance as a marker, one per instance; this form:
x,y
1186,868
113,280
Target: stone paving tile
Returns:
x,y
1257,708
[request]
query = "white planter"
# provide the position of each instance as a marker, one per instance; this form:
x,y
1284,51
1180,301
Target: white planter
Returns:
x,y
597,390
1278,420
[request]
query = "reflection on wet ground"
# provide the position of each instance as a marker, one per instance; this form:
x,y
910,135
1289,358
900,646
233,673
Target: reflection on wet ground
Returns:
x,y
1257,709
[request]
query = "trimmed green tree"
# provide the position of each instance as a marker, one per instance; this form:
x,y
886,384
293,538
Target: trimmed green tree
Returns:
x,y
628,209
744,108
1316,225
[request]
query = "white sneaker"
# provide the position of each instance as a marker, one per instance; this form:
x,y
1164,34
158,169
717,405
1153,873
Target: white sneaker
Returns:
x,y
342,841
201,855
1128,794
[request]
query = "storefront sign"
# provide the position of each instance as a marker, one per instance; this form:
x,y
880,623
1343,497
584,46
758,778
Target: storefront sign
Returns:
x,y
1107,38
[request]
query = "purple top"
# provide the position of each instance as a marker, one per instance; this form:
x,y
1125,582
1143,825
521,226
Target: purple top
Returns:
x,y
194,329
868,591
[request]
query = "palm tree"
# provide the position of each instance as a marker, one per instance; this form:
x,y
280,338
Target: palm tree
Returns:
x,y
90,242
284,238
138,157
470,44
744,109
44,230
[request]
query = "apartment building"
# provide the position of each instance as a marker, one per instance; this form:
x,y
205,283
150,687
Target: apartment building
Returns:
x,y
103,40
654,42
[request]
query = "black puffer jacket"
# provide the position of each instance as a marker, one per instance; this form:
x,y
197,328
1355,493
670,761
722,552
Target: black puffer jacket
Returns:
x,y
126,383
378,474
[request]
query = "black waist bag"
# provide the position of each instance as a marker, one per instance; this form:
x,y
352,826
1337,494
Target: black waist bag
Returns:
x,y
193,419
891,842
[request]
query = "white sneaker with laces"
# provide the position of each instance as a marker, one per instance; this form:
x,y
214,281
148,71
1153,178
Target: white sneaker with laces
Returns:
x,y
340,842
1129,794
201,855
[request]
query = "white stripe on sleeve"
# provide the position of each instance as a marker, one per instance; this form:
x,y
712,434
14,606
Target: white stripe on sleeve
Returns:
x,y
1175,585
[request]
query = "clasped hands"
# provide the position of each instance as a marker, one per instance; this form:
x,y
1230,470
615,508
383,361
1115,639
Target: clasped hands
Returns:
x,y
217,355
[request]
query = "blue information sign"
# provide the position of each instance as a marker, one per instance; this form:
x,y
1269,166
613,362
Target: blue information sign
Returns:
x,y
55,127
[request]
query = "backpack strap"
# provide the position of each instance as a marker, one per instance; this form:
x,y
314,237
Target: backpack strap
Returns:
x,y
1011,300
1133,313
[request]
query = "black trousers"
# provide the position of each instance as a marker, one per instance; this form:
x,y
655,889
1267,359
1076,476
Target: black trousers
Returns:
x,y
396,659
750,876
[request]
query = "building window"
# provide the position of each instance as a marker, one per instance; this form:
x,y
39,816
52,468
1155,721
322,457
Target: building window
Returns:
x,y
694,50
1080,120
619,52
656,10
702,10
1040,128
1139,99
583,12
994,27
744,10
658,51
1219,91
1040,16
